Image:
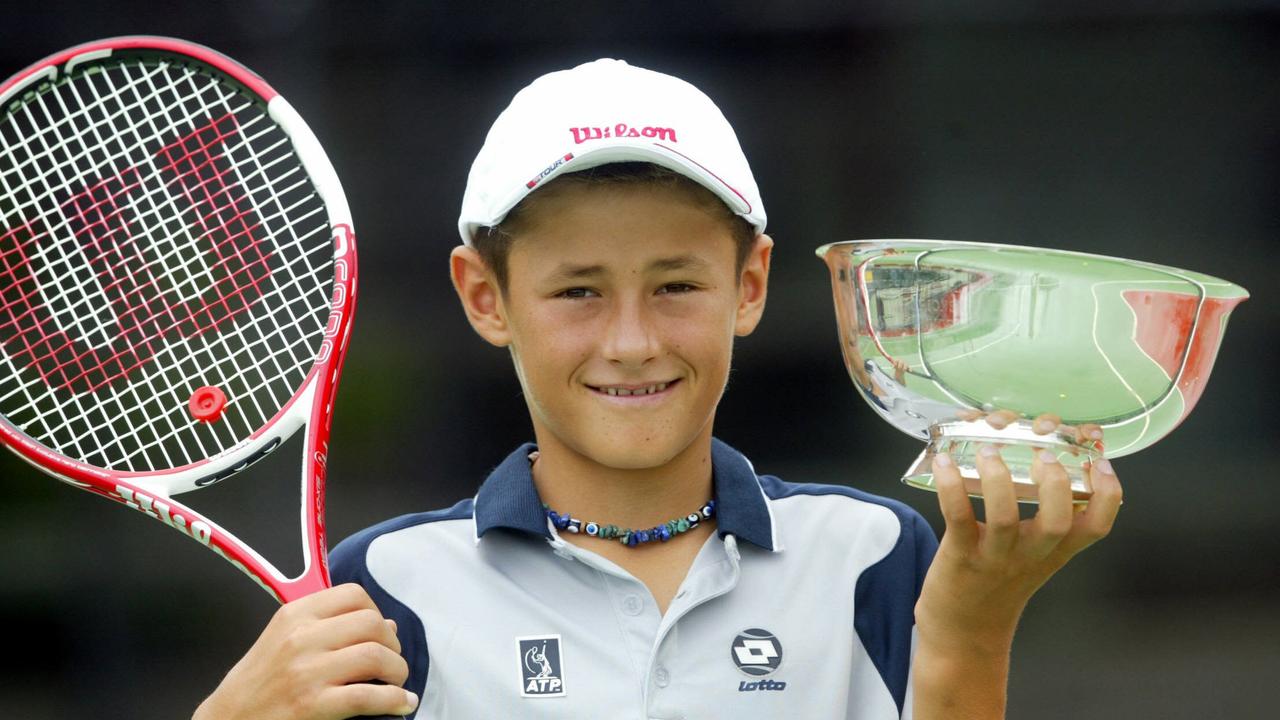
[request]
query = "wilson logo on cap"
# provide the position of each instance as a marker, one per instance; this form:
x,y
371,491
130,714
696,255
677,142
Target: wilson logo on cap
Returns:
x,y
622,130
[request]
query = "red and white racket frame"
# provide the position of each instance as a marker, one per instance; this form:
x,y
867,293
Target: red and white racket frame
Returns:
x,y
311,405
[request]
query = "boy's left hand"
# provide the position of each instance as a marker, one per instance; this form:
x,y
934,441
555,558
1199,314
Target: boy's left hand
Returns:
x,y
985,572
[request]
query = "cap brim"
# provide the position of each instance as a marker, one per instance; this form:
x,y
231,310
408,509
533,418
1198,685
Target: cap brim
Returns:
x,y
655,153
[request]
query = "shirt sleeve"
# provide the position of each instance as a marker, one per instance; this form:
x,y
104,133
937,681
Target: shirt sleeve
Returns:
x,y
348,564
885,599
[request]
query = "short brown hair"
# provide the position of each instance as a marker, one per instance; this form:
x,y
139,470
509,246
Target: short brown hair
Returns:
x,y
494,243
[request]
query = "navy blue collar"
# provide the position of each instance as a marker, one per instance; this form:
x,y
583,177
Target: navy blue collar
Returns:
x,y
508,499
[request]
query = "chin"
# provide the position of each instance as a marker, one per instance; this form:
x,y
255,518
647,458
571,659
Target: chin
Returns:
x,y
635,449
634,454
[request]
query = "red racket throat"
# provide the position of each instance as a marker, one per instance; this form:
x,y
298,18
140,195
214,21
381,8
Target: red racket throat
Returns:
x,y
177,283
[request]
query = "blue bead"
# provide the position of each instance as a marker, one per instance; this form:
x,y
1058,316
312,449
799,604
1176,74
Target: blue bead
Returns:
x,y
575,526
663,533
562,522
592,529
630,539
554,516
643,535
708,510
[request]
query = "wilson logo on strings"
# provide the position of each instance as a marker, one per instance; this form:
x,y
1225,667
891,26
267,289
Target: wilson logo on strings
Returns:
x,y
114,309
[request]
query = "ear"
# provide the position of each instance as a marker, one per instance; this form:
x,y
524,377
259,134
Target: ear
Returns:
x,y
480,295
753,286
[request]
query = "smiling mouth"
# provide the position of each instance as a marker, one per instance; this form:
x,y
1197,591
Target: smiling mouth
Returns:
x,y
630,390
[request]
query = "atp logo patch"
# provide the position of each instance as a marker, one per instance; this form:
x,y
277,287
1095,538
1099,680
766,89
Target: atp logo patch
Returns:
x,y
756,652
541,666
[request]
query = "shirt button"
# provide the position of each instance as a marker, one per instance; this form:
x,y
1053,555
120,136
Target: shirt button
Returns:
x,y
662,677
632,604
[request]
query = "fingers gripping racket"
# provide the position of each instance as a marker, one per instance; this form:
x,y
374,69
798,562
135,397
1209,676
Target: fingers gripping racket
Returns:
x,y
177,283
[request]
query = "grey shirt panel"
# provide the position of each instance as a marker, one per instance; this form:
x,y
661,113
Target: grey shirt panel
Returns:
x,y
799,606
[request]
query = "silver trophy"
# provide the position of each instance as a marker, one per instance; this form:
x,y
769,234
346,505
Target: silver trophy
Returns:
x,y
937,334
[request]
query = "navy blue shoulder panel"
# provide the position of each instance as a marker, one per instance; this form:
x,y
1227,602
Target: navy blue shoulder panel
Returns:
x,y
347,563
885,594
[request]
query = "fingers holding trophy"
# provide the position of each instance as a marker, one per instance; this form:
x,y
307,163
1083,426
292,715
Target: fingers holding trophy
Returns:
x,y
965,344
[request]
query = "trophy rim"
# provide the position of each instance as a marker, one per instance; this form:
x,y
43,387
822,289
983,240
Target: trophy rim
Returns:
x,y
846,260
847,247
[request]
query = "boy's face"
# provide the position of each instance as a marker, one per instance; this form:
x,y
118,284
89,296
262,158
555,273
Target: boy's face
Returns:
x,y
620,313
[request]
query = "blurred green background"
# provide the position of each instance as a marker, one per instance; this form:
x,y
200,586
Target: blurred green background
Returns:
x,y
1137,129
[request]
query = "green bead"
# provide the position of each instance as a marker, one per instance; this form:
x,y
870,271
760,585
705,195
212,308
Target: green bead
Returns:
x,y
624,537
609,531
682,525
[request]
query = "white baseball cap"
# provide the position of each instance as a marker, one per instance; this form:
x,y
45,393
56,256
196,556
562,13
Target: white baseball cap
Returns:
x,y
605,112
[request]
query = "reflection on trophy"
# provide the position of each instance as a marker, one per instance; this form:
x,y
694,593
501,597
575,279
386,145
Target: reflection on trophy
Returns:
x,y
936,334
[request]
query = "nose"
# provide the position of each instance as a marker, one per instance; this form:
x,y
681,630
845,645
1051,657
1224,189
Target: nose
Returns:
x,y
631,339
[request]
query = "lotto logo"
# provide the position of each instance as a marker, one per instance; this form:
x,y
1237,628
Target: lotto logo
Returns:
x,y
756,652
541,666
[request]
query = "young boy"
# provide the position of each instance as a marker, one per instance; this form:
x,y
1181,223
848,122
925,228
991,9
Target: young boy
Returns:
x,y
628,564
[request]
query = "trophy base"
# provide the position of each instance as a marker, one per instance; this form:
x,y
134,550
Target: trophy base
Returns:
x,y
1018,444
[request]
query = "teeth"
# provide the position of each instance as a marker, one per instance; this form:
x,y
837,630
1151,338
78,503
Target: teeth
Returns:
x,y
624,392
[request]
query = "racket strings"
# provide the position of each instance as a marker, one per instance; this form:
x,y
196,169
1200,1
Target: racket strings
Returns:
x,y
158,236
142,312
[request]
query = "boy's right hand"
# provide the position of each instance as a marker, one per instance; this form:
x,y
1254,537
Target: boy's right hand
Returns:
x,y
318,659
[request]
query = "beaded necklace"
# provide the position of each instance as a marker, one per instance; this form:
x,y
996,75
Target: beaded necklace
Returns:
x,y
627,536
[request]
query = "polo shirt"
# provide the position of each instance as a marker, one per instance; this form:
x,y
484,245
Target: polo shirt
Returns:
x,y
799,605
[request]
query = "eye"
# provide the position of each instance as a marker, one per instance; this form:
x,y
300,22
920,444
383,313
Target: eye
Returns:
x,y
576,293
676,288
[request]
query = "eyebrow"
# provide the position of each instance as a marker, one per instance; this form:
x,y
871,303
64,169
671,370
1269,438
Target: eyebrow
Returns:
x,y
679,262
570,271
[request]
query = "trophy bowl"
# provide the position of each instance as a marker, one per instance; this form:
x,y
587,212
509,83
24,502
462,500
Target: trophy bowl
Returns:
x,y
936,334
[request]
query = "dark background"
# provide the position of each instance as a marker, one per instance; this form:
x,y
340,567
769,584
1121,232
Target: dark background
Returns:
x,y
1143,130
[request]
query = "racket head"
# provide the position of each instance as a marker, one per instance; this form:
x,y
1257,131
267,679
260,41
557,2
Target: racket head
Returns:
x,y
177,281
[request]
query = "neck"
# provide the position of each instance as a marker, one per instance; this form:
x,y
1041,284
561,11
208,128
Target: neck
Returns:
x,y
570,482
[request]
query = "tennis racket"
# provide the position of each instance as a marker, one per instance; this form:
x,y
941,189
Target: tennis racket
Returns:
x,y
177,283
